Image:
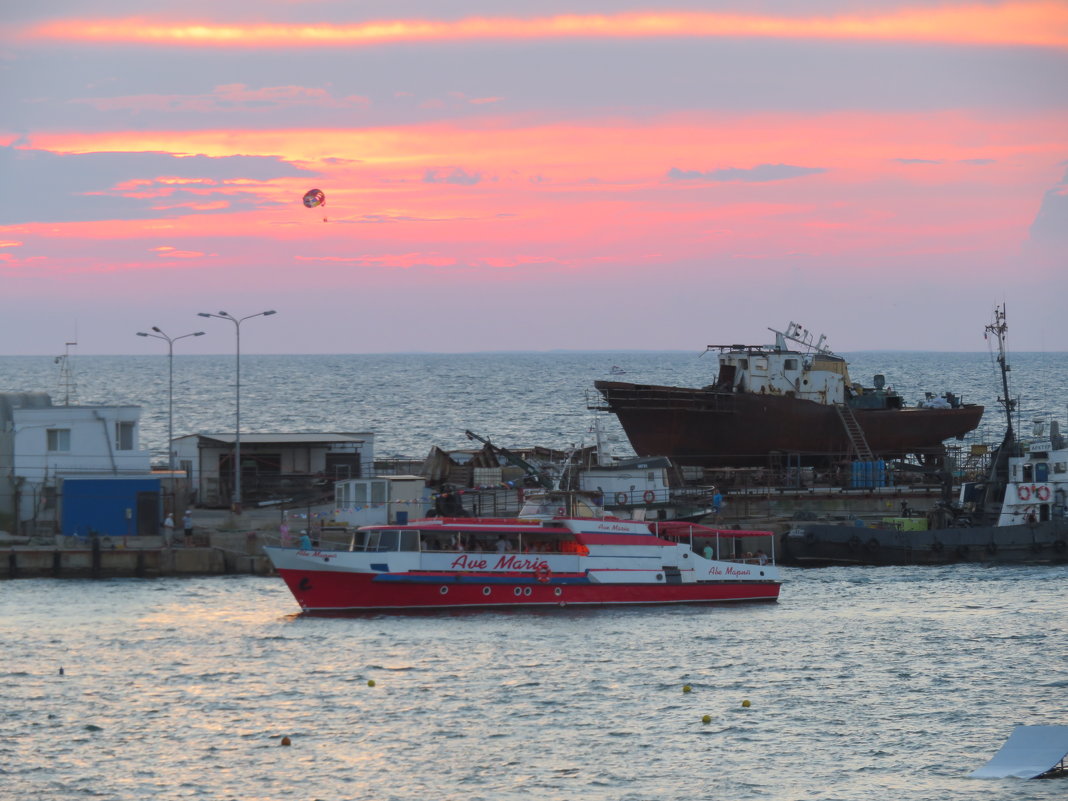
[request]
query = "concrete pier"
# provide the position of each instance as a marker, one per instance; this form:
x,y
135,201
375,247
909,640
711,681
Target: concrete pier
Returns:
x,y
224,553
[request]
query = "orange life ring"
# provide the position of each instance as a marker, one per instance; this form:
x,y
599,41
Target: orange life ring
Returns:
x,y
1023,492
1042,493
542,573
648,496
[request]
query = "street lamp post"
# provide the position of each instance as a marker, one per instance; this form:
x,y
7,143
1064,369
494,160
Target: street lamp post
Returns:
x,y
170,387
236,501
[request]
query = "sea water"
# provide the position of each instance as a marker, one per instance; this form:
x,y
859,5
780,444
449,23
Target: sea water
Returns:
x,y
412,402
863,683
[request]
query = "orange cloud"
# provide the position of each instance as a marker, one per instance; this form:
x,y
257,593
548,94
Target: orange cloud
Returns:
x,y
1041,24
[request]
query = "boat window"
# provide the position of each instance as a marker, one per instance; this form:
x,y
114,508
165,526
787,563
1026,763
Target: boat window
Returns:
x,y
1028,473
1060,467
409,541
380,541
790,364
743,363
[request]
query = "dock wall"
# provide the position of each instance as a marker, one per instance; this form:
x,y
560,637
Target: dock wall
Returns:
x,y
99,560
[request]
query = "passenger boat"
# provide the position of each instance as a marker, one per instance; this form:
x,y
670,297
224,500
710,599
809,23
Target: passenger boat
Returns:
x,y
1019,513
560,551
795,404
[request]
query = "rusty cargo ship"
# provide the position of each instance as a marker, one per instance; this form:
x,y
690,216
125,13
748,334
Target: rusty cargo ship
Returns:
x,y
792,403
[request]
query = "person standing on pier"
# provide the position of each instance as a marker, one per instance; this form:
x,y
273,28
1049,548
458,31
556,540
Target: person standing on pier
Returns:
x,y
168,530
187,527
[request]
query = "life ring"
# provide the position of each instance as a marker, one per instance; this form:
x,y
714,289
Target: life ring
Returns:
x,y
621,497
1023,492
1042,493
542,573
648,496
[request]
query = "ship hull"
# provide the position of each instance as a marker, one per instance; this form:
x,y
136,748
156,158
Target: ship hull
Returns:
x,y
712,428
818,545
333,591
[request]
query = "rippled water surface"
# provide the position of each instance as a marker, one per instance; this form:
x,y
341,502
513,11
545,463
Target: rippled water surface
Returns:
x,y
864,683
877,683
414,401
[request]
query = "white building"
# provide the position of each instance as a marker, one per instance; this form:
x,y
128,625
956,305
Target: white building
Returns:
x,y
380,500
42,445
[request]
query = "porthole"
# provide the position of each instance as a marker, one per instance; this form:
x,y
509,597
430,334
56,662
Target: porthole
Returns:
x,y
526,590
518,591
558,592
444,590
659,576
485,590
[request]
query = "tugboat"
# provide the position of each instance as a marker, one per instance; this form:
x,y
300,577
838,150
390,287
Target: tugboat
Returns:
x,y
560,551
795,405
1018,514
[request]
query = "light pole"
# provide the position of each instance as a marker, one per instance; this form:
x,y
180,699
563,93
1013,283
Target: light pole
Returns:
x,y
236,501
170,387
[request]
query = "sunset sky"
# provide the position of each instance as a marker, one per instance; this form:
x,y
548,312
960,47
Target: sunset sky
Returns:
x,y
583,175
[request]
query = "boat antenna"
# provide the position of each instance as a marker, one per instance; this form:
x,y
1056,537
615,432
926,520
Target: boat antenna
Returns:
x,y
998,328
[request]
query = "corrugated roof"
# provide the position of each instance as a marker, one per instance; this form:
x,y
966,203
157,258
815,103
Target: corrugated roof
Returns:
x,y
299,438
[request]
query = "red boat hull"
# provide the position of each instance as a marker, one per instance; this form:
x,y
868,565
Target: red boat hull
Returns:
x,y
713,428
336,591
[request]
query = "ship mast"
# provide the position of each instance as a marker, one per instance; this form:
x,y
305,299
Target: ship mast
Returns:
x,y
66,375
998,329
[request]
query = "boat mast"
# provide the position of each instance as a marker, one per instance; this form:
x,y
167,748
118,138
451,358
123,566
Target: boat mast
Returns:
x,y
998,329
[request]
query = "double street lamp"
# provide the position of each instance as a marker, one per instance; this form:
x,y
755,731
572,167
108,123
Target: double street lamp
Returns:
x,y
170,386
236,501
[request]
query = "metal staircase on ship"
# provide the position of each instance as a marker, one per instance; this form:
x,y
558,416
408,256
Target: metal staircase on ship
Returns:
x,y
858,443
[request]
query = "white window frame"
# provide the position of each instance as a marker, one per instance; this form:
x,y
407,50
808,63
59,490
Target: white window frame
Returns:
x,y
58,440
125,435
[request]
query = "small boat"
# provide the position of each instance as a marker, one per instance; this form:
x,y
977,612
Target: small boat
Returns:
x,y
617,370
1018,514
560,551
787,404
